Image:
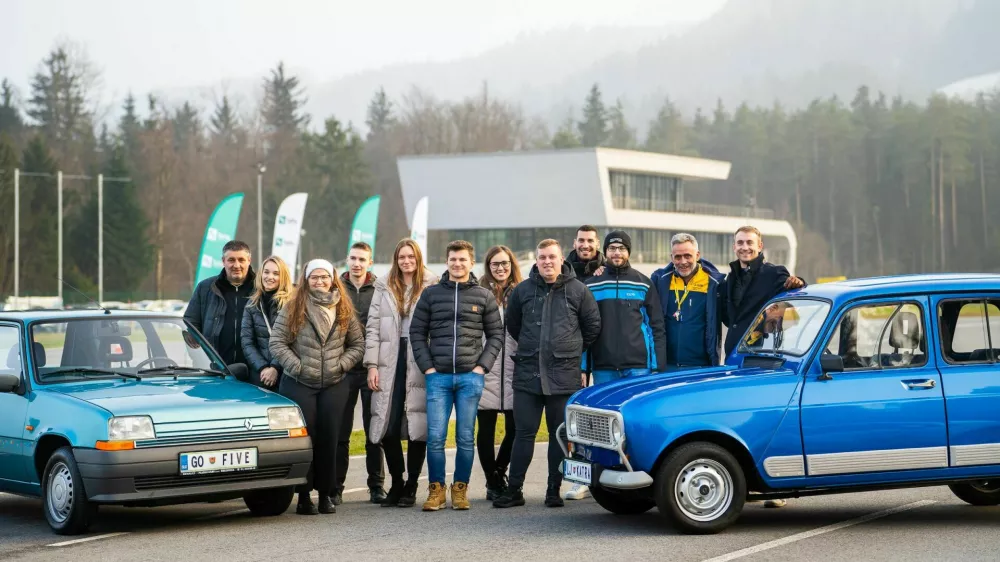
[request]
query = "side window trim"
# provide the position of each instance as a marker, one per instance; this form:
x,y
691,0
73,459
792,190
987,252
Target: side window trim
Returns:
x,y
989,335
20,347
898,306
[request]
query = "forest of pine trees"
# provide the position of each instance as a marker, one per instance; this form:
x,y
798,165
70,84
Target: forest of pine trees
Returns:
x,y
873,185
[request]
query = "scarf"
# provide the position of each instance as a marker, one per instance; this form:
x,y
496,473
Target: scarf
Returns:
x,y
322,312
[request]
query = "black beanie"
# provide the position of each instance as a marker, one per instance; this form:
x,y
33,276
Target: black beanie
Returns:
x,y
619,237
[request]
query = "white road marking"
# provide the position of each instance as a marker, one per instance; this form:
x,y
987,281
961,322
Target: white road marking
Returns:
x,y
820,531
220,515
88,539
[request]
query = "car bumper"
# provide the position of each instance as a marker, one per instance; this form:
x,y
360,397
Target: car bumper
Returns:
x,y
153,474
622,480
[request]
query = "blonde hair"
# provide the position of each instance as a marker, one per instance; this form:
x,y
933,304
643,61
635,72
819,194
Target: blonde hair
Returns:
x,y
283,293
395,281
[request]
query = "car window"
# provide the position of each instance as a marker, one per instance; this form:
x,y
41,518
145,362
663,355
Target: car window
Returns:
x,y
788,326
10,348
967,328
880,336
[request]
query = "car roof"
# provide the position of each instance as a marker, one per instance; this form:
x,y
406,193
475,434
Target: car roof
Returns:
x,y
57,315
902,285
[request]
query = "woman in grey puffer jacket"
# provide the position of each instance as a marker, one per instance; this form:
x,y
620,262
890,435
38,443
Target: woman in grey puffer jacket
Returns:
x,y
317,339
502,274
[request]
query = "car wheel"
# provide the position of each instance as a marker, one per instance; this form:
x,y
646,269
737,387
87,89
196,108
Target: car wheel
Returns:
x,y
622,503
980,493
269,503
63,497
700,488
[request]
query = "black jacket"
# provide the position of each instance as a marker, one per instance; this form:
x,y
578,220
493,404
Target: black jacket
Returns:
x,y
255,334
743,295
208,310
449,320
362,301
632,332
584,269
552,326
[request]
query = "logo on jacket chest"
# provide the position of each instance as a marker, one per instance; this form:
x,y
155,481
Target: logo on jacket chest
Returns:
x,y
475,308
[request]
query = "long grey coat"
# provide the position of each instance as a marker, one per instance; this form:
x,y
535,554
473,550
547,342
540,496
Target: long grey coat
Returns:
x,y
382,351
313,359
499,383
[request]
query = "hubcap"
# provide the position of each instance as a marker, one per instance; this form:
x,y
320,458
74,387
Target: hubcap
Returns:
x,y
986,486
704,490
60,492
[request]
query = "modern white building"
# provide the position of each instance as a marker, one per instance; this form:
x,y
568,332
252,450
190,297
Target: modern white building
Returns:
x,y
519,198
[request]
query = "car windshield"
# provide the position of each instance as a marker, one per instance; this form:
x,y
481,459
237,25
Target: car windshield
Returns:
x,y
117,348
787,327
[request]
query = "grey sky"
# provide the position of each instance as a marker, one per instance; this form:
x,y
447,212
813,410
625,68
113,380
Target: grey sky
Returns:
x,y
144,45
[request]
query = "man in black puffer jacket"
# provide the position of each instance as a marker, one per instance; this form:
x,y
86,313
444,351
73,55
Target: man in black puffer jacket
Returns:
x,y
553,317
446,335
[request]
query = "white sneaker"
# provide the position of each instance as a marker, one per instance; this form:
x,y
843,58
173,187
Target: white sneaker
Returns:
x,y
577,492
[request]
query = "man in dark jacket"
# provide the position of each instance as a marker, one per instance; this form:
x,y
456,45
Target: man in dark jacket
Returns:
x,y
360,285
630,307
554,318
585,258
689,297
216,308
446,336
750,284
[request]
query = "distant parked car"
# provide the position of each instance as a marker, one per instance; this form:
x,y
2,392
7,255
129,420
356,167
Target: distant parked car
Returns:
x,y
857,385
134,408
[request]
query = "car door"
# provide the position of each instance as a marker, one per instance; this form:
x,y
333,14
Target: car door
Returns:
x,y
968,334
13,408
885,411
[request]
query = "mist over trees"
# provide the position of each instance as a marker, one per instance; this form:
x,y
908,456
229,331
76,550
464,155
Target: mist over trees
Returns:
x,y
873,184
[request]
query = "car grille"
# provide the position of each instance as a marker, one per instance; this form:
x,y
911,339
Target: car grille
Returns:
x,y
171,434
595,428
172,441
178,481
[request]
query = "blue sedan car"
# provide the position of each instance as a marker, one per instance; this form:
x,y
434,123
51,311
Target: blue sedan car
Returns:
x,y
860,385
102,407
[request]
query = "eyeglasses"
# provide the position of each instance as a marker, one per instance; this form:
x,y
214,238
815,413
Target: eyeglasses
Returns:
x,y
617,248
320,278
499,265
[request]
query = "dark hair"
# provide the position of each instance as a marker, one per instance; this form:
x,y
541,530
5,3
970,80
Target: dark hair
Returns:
x,y
491,283
235,246
587,228
458,246
361,246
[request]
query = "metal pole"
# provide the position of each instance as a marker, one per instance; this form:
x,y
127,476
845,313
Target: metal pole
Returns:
x,y
100,238
260,220
59,179
17,234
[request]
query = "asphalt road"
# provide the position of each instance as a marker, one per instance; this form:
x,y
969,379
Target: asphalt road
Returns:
x,y
917,524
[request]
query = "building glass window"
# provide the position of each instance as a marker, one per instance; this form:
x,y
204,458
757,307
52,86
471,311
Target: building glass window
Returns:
x,y
644,192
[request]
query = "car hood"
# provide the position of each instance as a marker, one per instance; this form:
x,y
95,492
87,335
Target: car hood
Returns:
x,y
167,400
614,395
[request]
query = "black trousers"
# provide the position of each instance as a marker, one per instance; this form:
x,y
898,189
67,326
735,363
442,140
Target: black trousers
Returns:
x,y
528,409
323,409
491,459
373,451
392,442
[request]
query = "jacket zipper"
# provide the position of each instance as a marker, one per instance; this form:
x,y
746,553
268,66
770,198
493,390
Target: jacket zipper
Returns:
x,y
454,340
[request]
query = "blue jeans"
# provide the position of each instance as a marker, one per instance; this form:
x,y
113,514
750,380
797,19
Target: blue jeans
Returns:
x,y
444,391
601,377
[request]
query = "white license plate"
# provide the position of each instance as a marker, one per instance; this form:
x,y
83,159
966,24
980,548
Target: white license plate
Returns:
x,y
576,471
218,461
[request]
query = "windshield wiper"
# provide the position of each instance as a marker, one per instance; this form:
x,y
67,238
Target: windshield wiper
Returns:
x,y
174,370
86,371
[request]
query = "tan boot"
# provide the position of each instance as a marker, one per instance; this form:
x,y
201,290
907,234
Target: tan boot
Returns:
x,y
436,498
459,493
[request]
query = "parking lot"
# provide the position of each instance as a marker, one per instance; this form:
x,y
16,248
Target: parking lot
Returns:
x,y
917,524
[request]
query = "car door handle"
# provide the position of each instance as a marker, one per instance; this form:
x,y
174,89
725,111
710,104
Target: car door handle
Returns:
x,y
919,385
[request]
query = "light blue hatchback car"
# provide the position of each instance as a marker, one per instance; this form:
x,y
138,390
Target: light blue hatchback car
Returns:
x,y
128,408
859,385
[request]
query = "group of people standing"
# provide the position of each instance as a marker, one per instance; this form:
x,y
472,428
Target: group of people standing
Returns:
x,y
414,347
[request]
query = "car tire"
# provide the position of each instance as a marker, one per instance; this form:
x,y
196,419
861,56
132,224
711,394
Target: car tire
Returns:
x,y
64,499
270,502
983,493
700,488
622,503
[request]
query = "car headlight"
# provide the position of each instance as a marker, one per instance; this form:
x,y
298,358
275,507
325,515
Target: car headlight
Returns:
x,y
287,417
616,431
130,428
571,425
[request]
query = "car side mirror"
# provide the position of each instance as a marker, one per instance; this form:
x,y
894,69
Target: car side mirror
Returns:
x,y
9,382
240,371
830,363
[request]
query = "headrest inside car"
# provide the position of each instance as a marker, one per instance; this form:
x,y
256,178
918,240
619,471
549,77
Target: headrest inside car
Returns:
x,y
905,331
116,349
38,351
14,357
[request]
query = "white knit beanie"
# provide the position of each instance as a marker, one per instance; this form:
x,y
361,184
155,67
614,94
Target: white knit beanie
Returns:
x,y
313,265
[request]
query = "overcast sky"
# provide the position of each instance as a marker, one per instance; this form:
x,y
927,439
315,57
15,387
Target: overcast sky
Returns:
x,y
145,45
